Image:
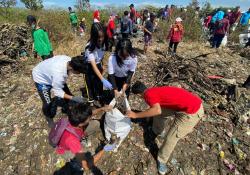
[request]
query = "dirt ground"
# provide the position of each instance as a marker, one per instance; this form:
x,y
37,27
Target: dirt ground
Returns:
x,y
24,148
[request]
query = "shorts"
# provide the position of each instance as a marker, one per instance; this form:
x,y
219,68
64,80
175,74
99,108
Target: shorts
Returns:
x,y
147,39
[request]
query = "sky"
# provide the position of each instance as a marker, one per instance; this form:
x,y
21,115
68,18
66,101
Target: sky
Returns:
x,y
245,4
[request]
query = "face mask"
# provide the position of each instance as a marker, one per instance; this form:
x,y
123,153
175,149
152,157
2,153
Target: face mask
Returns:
x,y
33,26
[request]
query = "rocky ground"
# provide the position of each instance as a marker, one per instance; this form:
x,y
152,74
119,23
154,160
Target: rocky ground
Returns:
x,y
219,145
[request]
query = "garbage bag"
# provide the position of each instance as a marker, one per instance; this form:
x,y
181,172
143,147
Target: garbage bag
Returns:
x,y
117,123
224,41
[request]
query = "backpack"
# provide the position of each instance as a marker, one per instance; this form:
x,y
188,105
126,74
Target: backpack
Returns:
x,y
124,24
219,24
56,132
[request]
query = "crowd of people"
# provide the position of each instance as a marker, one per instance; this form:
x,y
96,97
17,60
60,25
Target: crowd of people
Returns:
x,y
221,24
52,73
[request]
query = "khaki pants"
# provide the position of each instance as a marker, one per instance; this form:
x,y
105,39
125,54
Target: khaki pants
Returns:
x,y
183,124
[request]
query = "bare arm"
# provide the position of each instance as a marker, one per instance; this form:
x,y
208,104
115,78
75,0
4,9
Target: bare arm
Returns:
x,y
153,111
96,158
146,30
103,109
96,70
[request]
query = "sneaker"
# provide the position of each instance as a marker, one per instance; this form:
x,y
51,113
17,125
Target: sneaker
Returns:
x,y
162,168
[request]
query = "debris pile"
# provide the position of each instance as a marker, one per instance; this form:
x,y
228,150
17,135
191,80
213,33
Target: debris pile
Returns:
x,y
15,43
245,52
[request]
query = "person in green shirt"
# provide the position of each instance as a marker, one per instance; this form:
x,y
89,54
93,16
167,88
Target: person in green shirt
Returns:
x,y
73,19
42,45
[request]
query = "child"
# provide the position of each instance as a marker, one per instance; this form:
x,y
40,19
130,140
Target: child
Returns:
x,y
51,75
73,20
121,67
148,30
41,45
82,27
80,125
175,35
94,54
111,31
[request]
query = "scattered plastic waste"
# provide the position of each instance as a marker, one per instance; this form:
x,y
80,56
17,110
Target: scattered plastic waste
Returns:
x,y
60,163
3,133
229,165
222,154
235,141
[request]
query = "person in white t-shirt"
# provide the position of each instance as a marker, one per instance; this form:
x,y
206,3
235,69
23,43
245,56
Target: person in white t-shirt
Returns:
x,y
52,74
94,54
121,67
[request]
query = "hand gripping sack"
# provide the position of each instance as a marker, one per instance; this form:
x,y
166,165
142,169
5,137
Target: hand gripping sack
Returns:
x,y
56,132
117,123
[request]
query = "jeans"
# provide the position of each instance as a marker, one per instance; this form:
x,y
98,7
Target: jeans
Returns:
x,y
50,104
217,40
94,84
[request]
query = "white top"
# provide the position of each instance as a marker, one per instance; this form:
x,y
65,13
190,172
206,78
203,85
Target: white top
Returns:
x,y
52,72
129,64
96,20
96,55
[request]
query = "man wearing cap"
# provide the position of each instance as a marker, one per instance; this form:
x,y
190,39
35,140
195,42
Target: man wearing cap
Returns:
x,y
148,31
168,101
175,35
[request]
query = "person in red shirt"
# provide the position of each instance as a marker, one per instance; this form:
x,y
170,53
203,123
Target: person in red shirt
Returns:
x,y
207,21
235,16
132,13
164,102
96,16
175,35
79,120
111,31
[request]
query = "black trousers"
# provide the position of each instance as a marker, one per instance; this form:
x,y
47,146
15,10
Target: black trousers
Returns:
x,y
175,44
50,104
111,43
125,36
45,57
94,84
217,40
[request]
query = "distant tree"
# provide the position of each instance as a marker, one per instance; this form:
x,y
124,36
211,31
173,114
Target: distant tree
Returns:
x,y
207,8
6,4
194,4
33,4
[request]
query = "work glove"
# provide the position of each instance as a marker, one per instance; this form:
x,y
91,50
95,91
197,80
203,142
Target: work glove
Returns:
x,y
109,147
78,99
107,84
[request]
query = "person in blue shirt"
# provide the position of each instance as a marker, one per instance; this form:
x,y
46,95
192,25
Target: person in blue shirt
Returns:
x,y
245,19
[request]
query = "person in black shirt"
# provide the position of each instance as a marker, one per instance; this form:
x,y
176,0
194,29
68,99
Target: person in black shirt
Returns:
x,y
148,30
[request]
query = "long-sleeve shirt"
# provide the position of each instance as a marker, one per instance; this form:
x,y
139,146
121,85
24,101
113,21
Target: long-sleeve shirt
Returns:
x,y
52,72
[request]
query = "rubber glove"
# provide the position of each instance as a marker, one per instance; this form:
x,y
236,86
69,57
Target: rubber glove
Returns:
x,y
78,99
109,147
107,84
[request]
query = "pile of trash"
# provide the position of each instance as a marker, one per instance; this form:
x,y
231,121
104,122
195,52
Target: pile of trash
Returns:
x,y
245,52
15,43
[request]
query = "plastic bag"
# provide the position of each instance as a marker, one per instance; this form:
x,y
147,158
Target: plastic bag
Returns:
x,y
224,41
117,123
